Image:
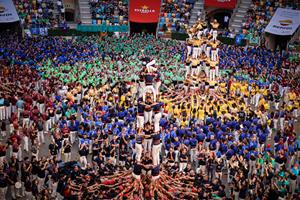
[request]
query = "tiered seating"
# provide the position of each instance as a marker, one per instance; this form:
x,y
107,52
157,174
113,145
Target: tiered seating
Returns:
x,y
261,12
175,15
39,13
109,12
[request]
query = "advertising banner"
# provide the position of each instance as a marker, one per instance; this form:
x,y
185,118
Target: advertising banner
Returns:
x,y
284,22
144,11
8,12
227,4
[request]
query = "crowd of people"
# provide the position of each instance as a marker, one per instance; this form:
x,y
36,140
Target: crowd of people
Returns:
x,y
175,15
110,12
40,13
138,117
261,12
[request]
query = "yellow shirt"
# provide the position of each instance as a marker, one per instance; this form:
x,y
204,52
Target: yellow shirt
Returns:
x,y
176,112
266,105
223,108
184,123
168,105
246,93
201,114
243,89
264,92
223,87
292,96
195,62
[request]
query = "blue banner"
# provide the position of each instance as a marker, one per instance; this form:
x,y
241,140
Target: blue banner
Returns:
x,y
39,31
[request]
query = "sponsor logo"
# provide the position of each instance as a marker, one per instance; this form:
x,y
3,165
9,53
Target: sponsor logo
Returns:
x,y
2,9
144,10
285,22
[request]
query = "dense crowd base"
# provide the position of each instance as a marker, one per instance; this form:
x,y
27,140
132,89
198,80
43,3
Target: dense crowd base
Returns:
x,y
98,118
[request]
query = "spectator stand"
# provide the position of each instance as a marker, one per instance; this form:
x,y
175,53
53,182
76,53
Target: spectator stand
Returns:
x,y
258,17
109,12
175,16
40,13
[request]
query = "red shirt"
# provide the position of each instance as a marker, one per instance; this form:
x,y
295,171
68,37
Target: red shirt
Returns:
x,y
28,99
26,113
108,182
41,99
13,117
65,131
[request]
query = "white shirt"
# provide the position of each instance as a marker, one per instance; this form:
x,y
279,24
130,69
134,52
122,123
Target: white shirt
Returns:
x,y
226,18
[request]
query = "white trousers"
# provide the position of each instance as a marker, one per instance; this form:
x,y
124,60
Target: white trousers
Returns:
x,y
155,154
212,74
138,150
26,143
257,97
41,107
182,166
83,161
48,125
19,154
214,55
194,71
41,137
200,50
72,136
187,70
67,157
19,111
57,117
207,52
13,108
141,89
275,123
157,85
157,118
8,112
215,34
26,122
148,145
196,51
41,182
52,120
189,50
140,121
281,123
199,69
53,188
206,70
148,116
276,105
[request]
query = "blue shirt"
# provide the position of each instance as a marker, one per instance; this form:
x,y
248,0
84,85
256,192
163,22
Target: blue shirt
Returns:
x,y
295,171
193,142
19,104
157,107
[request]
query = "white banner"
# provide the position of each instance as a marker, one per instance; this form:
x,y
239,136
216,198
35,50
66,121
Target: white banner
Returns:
x,y
284,22
8,12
